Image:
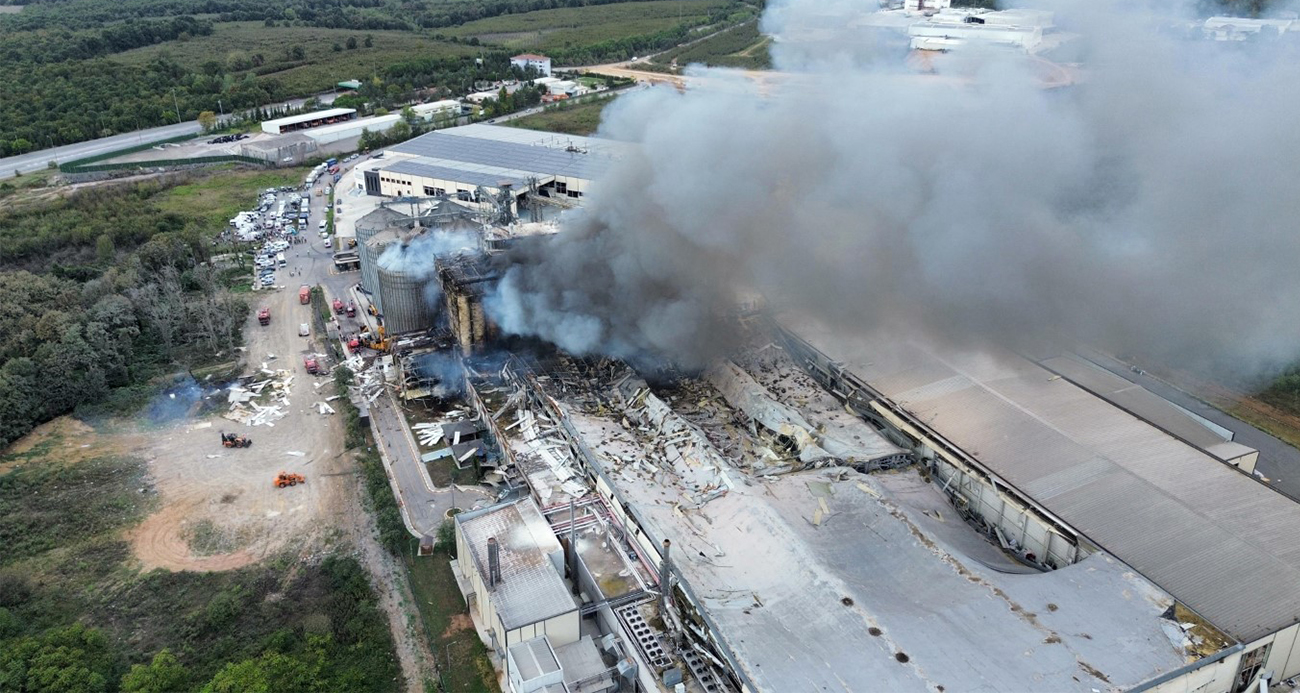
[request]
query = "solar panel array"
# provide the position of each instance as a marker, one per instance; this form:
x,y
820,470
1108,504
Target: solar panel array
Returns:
x,y
415,168
542,161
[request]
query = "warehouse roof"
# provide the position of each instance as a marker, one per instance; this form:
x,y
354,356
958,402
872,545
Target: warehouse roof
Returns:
x,y
499,154
375,124
469,176
305,117
531,589
1216,539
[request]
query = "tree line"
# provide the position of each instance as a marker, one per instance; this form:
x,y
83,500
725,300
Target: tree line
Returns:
x,y
103,293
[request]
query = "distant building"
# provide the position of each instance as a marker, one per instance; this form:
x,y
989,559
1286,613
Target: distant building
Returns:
x,y
349,84
304,121
540,63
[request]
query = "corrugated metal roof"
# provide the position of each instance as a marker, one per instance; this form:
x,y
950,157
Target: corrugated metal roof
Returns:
x,y
460,175
1145,405
305,117
534,159
1216,539
531,588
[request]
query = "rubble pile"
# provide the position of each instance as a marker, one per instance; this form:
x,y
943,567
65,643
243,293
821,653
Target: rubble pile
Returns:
x,y
261,402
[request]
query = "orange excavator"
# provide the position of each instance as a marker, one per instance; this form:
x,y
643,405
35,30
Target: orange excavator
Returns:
x,y
286,479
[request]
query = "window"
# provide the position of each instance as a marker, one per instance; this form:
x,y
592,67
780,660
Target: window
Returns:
x,y
1251,663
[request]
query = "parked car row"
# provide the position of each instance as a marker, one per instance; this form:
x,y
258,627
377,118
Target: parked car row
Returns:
x,y
227,138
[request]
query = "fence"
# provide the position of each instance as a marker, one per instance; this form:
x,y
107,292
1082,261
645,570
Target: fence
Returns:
x,y
89,164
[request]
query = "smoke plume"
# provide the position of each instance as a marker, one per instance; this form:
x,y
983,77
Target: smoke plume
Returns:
x,y
417,257
1143,202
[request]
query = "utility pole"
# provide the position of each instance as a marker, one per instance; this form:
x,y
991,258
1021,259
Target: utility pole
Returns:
x,y
222,109
178,106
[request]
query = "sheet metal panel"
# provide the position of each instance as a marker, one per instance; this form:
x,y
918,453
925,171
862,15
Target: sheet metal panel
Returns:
x,y
1217,540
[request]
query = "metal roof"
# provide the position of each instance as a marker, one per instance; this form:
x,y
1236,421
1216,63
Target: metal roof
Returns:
x,y
533,159
1216,539
1146,405
460,175
534,658
375,124
305,117
531,589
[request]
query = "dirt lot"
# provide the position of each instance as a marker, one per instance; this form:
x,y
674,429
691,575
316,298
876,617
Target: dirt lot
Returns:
x,y
227,493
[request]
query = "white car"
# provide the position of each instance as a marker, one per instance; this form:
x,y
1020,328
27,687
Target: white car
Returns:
x,y
304,330
328,243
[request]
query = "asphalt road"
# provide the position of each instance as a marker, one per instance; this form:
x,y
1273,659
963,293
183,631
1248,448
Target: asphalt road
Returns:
x,y
1278,461
423,505
39,160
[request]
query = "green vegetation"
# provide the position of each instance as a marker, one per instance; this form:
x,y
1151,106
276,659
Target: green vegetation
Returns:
x,y
110,289
580,117
555,31
379,495
741,47
267,52
462,658
75,615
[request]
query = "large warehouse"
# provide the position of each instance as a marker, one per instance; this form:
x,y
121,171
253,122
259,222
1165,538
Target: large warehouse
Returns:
x,y
1039,453
458,161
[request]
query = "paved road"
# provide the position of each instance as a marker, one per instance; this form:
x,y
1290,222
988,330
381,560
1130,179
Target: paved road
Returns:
x,y
39,160
424,506
1277,460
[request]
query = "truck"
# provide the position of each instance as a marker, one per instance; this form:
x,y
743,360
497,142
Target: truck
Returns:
x,y
338,305
304,294
352,309
309,362
279,259
331,161
264,316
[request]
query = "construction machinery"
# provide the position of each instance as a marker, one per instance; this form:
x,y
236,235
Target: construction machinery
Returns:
x,y
352,309
264,316
372,309
234,440
377,340
286,479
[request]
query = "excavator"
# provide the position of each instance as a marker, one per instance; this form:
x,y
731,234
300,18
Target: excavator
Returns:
x,y
286,479
234,440
377,340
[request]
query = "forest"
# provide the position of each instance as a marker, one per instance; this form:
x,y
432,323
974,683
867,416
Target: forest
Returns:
x,y
106,292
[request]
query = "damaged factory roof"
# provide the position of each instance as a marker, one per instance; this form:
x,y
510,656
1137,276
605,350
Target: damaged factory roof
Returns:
x,y
832,579
530,589
1196,527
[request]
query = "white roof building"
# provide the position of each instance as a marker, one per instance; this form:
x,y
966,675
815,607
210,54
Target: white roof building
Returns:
x,y
307,120
540,63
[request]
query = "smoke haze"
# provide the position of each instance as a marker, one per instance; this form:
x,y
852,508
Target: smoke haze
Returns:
x,y
1149,208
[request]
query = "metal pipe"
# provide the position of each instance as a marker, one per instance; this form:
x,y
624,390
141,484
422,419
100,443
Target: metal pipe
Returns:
x,y
494,562
663,581
573,546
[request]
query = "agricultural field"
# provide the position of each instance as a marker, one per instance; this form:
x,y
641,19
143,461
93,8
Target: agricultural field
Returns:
x,y
566,28
237,45
570,119
740,47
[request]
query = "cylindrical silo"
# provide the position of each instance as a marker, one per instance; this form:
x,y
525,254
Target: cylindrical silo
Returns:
x,y
405,307
370,250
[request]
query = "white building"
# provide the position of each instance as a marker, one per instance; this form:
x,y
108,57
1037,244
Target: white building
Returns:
x,y
1243,28
352,128
540,63
303,121
951,28
436,109
565,87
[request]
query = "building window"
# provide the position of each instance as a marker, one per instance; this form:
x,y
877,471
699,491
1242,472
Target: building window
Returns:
x,y
561,187
430,191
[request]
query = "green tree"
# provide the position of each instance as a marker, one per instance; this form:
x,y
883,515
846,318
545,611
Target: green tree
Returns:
x,y
271,673
297,53
164,674
208,120
370,41
408,114
105,250
74,659
338,48
352,43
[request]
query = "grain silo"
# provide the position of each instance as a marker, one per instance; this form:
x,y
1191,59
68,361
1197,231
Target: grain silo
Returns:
x,y
374,249
405,307
368,227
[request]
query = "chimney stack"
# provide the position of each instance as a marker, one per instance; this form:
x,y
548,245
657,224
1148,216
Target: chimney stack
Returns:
x,y
663,582
494,562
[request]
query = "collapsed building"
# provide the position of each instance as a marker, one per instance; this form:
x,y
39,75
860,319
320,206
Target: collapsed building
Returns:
x,y
824,511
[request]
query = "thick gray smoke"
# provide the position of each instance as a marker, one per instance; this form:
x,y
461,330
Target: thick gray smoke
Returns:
x,y
1147,208
418,257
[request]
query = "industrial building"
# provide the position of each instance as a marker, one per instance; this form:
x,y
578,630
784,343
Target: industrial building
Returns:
x,y
305,121
540,63
828,511
352,128
476,162
434,110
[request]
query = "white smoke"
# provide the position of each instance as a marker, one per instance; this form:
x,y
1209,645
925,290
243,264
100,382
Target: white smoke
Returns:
x,y
1147,208
418,257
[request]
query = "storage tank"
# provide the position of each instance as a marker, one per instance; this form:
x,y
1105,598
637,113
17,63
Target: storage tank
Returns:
x,y
370,251
368,227
402,294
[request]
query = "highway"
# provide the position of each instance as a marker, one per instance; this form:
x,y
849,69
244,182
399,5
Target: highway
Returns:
x,y
39,160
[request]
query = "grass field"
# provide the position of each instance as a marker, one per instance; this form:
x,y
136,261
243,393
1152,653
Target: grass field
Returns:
x,y
217,197
321,68
460,654
571,119
558,29
741,47
63,506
